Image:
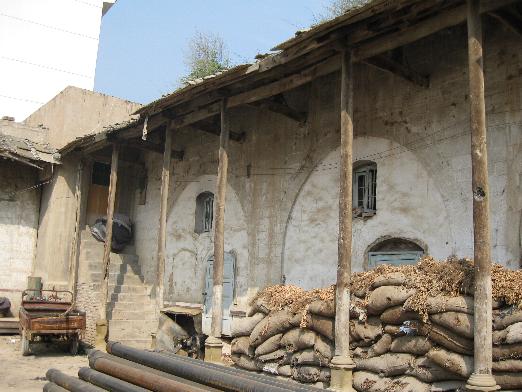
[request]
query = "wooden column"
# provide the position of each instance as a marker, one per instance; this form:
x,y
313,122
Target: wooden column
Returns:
x,y
213,343
165,182
481,379
75,245
103,324
342,364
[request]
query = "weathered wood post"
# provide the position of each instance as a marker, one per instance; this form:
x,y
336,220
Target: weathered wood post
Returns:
x,y
342,364
102,325
481,379
162,235
213,344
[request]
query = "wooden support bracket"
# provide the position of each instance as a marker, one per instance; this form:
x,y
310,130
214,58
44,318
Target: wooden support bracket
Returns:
x,y
278,105
512,21
399,69
238,137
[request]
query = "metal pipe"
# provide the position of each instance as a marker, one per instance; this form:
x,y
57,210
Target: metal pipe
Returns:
x,y
52,387
214,377
107,382
140,377
241,373
70,383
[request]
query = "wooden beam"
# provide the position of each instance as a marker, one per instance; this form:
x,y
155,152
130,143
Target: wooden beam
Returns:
x,y
147,145
108,230
342,363
278,105
238,137
396,68
482,378
509,20
422,29
162,235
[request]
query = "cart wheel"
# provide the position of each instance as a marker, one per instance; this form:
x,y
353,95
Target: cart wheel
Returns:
x,y
75,344
26,350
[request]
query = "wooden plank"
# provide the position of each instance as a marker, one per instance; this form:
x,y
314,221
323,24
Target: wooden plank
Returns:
x,y
422,29
164,197
108,237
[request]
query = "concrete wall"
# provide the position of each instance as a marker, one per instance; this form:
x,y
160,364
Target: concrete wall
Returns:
x,y
18,228
46,46
75,112
282,206
12,128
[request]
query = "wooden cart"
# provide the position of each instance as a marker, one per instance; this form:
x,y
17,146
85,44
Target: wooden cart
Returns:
x,y
47,314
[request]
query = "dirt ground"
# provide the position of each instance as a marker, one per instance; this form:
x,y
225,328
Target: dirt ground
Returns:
x,y
27,374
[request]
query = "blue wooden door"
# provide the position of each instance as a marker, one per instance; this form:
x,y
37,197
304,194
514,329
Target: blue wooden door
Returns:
x,y
228,293
393,258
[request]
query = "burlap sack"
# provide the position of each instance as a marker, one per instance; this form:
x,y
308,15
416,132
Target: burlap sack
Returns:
x,y
386,365
269,345
242,345
509,380
439,304
368,331
506,317
298,339
323,325
390,279
322,308
308,357
499,337
287,358
268,367
284,370
382,346
324,348
461,365
370,382
507,351
460,323
244,362
443,386
509,366
428,371
273,356
243,326
311,374
446,338
385,297
397,315
274,323
416,345
514,333
393,330
258,306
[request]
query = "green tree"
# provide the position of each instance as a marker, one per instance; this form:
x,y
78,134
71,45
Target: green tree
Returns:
x,y
206,54
338,7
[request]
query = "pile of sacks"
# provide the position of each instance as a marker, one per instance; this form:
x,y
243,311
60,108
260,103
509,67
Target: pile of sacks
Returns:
x,y
406,334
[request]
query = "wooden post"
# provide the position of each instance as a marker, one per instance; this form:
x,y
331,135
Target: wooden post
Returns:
x,y
342,364
75,245
481,379
165,182
102,327
213,344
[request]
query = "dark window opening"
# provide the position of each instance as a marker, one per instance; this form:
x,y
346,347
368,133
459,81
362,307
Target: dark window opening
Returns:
x,y
204,212
365,189
101,174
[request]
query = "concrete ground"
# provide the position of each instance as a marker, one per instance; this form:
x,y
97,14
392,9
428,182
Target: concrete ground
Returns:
x,y
27,374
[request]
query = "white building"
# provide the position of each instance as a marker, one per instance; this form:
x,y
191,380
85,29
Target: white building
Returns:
x,y
46,45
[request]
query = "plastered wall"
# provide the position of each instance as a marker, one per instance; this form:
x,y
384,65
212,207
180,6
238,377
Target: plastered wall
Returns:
x,y
19,209
282,198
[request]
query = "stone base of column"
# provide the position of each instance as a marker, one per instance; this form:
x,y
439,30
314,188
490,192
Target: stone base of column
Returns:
x,y
481,382
213,350
341,374
102,331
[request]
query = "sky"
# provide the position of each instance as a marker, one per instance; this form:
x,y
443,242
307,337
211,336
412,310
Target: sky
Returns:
x,y
142,42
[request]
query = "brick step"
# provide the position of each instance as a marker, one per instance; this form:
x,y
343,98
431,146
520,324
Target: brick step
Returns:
x,y
117,333
130,297
122,314
96,257
132,325
130,288
118,278
116,267
137,343
122,305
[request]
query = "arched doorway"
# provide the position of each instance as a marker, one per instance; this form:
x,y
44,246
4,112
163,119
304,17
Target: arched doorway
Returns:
x,y
394,251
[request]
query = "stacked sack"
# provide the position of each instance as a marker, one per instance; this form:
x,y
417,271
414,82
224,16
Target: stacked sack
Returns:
x,y
411,329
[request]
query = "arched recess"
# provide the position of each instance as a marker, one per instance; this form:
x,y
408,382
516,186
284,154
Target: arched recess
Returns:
x,y
188,252
409,206
394,251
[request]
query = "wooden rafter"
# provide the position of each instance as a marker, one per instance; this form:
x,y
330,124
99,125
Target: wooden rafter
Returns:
x,y
213,128
511,20
398,68
279,105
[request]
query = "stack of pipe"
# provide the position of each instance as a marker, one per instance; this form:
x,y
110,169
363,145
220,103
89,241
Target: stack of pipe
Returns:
x,y
126,369
399,340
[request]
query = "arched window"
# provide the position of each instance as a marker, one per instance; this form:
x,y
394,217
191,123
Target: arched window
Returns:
x,y
394,251
204,212
364,188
